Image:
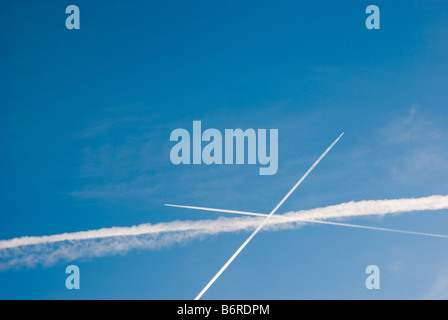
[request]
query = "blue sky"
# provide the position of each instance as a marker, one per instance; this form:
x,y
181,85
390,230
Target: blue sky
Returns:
x,y
86,116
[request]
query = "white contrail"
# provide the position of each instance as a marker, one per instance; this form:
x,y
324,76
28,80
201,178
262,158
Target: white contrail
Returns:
x,y
263,223
343,210
298,219
340,211
48,250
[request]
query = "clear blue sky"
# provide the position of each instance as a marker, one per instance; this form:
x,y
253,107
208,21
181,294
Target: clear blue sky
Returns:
x,y
86,116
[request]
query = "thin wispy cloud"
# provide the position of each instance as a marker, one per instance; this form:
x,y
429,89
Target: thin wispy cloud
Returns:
x,y
47,250
439,289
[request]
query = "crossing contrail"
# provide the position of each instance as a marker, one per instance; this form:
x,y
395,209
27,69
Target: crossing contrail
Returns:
x,y
298,219
46,250
51,249
263,223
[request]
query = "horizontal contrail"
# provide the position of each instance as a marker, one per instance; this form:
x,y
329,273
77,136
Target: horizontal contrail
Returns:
x,y
298,219
47,250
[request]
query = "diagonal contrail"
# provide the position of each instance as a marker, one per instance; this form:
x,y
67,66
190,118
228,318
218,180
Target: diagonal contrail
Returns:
x,y
263,223
298,219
